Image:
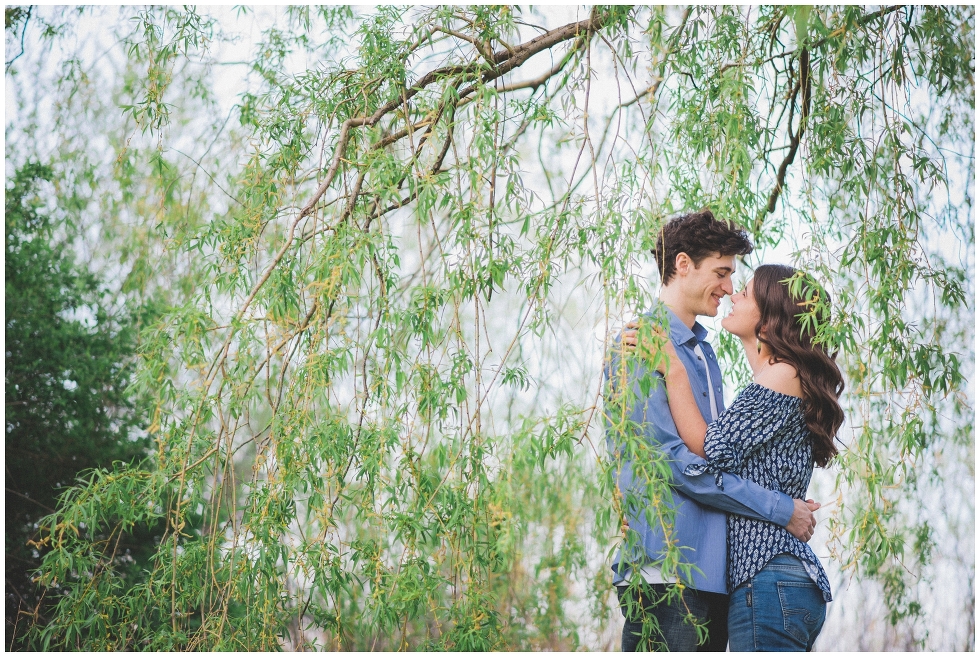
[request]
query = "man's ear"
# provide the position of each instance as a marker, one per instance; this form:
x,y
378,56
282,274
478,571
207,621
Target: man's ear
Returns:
x,y
683,263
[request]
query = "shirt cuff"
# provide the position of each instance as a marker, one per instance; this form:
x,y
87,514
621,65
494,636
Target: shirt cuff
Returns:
x,y
784,509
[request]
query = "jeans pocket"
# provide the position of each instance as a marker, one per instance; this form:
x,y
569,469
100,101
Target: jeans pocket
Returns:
x,y
803,609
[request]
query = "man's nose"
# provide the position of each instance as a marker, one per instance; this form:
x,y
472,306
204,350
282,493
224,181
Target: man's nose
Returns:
x,y
726,285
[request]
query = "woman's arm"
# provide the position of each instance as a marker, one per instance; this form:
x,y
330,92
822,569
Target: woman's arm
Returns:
x,y
691,427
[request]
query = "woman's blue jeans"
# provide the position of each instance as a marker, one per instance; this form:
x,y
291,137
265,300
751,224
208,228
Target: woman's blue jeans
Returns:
x,y
780,608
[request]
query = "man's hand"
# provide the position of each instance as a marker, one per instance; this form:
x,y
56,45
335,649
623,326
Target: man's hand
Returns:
x,y
803,522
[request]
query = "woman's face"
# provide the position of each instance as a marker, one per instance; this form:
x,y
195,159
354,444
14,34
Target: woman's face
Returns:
x,y
745,313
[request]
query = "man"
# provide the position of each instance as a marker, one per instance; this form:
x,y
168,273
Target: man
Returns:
x,y
695,254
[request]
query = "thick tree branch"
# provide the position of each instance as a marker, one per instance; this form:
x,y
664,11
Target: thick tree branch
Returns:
x,y
505,60
534,83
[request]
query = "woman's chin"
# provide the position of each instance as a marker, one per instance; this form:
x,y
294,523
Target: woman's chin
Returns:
x,y
732,328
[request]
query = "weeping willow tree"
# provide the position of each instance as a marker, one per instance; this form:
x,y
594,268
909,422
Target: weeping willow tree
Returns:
x,y
379,415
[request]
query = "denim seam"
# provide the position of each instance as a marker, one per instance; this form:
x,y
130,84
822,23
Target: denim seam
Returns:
x,y
788,569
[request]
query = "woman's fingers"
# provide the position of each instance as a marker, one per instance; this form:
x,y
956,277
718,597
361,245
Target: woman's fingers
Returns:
x,y
630,334
628,337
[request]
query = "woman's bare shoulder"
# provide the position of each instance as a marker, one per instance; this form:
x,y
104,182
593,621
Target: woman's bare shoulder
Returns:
x,y
782,378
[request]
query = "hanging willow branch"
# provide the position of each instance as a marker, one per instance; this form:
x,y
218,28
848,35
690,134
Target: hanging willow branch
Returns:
x,y
504,61
803,84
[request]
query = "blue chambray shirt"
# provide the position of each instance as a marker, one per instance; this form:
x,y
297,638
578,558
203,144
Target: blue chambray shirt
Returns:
x,y
699,523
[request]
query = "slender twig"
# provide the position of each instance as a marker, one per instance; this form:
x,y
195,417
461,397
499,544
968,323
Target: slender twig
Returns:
x,y
649,92
29,499
23,33
208,174
803,85
861,22
481,47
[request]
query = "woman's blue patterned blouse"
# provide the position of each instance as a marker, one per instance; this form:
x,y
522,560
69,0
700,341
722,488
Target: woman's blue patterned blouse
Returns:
x,y
762,437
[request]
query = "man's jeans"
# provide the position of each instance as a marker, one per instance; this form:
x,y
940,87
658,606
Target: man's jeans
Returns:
x,y
781,609
669,628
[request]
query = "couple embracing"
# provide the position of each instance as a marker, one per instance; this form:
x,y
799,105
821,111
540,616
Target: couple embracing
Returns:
x,y
739,476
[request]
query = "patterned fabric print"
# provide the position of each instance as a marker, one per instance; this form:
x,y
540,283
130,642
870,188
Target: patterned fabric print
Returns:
x,y
762,437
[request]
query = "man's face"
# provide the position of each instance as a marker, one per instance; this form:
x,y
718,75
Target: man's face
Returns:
x,y
706,285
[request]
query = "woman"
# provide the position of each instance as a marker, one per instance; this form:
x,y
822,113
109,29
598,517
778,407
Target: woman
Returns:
x,y
773,433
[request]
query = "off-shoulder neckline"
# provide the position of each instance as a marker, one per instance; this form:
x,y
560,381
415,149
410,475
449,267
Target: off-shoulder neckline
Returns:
x,y
775,392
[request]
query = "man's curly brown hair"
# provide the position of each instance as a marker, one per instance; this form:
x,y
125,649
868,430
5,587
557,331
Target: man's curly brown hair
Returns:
x,y
699,235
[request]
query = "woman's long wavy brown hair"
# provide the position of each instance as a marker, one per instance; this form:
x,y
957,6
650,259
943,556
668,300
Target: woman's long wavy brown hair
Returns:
x,y
789,333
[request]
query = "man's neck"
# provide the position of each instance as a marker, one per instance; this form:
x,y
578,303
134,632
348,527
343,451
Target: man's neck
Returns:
x,y
671,297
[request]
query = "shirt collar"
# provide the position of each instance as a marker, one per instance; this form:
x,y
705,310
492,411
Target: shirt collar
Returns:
x,y
680,333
